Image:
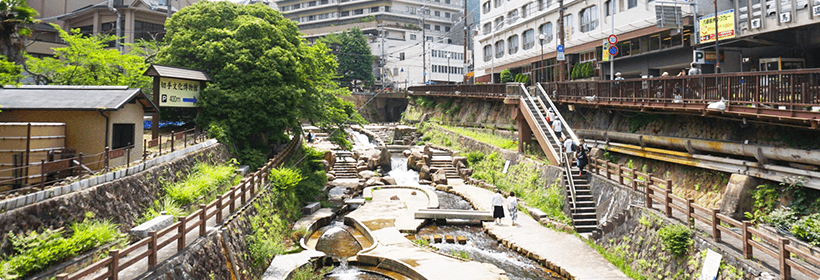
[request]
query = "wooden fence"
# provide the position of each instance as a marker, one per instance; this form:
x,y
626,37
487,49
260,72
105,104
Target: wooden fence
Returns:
x,y
119,260
660,190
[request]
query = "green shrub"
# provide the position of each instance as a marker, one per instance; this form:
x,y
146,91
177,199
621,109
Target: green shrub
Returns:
x,y
285,179
254,158
781,218
474,157
676,238
204,179
36,251
808,228
506,76
167,205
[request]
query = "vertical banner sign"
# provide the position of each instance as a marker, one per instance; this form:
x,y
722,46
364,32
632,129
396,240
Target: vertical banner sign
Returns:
x,y
726,24
178,92
605,51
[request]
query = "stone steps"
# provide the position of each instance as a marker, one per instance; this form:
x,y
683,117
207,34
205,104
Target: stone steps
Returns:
x,y
583,217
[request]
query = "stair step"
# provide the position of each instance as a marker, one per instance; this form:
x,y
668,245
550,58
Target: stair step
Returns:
x,y
585,222
585,228
584,216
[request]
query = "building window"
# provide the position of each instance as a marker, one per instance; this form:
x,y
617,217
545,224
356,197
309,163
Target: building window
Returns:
x,y
401,56
512,16
311,18
543,4
568,27
513,43
498,3
312,4
546,29
446,29
610,7
286,8
374,9
447,14
631,4
324,16
427,12
387,9
438,28
529,39
446,1
526,10
427,26
346,13
412,36
589,19
488,27
122,135
488,53
499,49
324,2
437,13
296,6
358,12
429,38
499,21
486,7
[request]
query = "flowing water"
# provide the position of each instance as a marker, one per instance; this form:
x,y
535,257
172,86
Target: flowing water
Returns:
x,y
360,140
403,175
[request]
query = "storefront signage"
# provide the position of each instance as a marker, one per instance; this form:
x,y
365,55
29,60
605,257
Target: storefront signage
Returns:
x,y
178,92
726,24
704,57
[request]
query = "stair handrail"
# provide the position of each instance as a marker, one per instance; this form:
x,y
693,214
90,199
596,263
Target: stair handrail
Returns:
x,y
570,181
558,114
549,128
529,97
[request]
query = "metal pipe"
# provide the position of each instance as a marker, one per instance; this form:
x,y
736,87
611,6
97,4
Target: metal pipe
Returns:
x,y
106,127
761,153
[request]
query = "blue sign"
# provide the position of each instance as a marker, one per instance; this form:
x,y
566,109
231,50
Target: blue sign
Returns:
x,y
613,50
560,48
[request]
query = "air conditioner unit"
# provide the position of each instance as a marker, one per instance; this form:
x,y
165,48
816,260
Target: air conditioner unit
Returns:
x,y
786,17
756,23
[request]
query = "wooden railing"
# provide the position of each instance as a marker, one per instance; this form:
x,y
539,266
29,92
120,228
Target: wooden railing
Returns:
x,y
659,190
119,260
476,91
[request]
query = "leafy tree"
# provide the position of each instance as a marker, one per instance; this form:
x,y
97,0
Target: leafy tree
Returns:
x,y
265,78
86,61
506,76
14,15
9,72
353,54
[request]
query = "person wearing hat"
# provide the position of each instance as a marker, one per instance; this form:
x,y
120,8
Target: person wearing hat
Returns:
x,y
618,76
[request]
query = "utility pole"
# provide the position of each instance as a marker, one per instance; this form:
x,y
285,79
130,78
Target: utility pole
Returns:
x,y
465,42
717,43
384,59
562,65
169,8
423,46
612,57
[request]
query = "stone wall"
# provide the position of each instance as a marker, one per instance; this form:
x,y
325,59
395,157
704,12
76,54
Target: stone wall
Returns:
x,y
611,198
464,112
122,200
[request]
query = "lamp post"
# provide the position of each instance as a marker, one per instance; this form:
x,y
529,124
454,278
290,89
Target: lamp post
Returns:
x,y
448,67
541,38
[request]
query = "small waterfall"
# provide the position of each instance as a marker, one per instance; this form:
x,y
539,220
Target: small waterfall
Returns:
x,y
360,140
337,242
403,175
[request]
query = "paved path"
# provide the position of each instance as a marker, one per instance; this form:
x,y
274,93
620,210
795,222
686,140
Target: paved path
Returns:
x,y
562,249
381,215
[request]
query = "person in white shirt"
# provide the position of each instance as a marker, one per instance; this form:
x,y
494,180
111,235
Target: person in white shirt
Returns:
x,y
512,206
569,148
558,127
498,207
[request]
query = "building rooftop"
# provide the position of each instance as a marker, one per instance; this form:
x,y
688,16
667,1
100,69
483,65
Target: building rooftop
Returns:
x,y
176,72
58,97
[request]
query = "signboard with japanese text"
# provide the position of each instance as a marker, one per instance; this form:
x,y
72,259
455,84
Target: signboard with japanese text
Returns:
x,y
178,92
726,24
605,51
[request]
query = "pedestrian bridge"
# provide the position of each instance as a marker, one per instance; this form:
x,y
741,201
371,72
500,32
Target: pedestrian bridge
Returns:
x,y
439,214
783,97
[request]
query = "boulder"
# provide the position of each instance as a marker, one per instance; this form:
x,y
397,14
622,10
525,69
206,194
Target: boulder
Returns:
x,y
330,157
395,197
415,160
331,177
465,172
326,165
375,181
738,198
424,182
406,153
440,177
361,168
389,181
457,160
367,174
424,172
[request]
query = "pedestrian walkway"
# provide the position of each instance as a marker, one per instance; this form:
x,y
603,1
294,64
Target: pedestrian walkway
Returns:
x,y
561,249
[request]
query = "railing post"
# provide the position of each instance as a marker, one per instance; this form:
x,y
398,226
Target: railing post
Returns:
x,y
42,173
62,276
181,231
144,149
127,158
242,193
173,137
690,211
667,202
620,175
747,248
634,179
160,144
203,218
785,269
185,140
106,158
715,223
219,207
606,166
648,193
114,267
251,184
233,198
152,247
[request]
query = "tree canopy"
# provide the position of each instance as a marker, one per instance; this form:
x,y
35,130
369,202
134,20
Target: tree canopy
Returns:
x,y
265,78
14,16
354,56
86,61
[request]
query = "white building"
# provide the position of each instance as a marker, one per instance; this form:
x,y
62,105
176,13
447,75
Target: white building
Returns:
x,y
400,24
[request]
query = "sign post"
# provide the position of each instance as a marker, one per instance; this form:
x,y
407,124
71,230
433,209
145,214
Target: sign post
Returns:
x,y
560,55
175,87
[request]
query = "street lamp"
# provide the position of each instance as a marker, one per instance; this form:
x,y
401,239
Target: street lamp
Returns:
x,y
541,38
448,67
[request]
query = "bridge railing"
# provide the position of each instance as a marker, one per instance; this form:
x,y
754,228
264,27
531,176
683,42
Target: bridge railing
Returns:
x,y
480,91
795,89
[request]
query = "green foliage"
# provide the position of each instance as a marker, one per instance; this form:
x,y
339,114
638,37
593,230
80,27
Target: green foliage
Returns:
x,y
639,121
617,258
265,78
285,179
307,272
35,251
676,238
426,102
422,242
87,60
506,76
9,72
474,158
253,157
167,205
353,54
460,254
521,78
808,228
16,16
204,179
488,138
582,71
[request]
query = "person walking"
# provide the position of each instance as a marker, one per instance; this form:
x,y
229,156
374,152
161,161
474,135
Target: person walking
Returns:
x,y
498,207
558,127
569,148
512,206
583,156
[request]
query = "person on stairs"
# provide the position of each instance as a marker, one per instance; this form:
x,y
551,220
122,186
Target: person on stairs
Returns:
x,y
582,155
498,207
512,206
558,127
569,148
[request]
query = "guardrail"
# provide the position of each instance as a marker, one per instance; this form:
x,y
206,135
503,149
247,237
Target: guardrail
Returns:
x,y
777,247
498,91
119,260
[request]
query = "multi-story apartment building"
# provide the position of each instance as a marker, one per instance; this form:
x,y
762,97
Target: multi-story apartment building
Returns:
x,y
509,36
400,32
